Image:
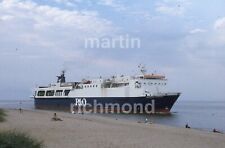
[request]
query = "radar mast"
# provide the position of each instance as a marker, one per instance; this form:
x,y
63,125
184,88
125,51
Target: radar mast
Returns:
x,y
61,78
142,69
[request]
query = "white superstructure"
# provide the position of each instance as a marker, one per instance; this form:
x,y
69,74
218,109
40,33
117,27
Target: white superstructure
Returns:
x,y
116,86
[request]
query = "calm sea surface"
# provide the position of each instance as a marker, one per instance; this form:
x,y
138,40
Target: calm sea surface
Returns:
x,y
200,115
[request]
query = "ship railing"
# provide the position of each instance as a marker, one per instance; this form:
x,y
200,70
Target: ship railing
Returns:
x,y
167,94
73,84
43,87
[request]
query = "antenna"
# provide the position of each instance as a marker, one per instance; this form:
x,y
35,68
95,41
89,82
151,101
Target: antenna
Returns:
x,y
142,69
62,78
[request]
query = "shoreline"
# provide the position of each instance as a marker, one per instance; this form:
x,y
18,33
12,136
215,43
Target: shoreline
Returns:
x,y
182,114
97,131
119,116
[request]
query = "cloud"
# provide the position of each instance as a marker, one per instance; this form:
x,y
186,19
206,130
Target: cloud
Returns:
x,y
69,3
108,2
6,17
112,3
47,25
37,39
169,10
220,24
44,31
219,32
171,7
197,30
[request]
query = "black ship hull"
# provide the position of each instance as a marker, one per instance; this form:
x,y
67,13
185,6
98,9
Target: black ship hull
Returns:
x,y
157,104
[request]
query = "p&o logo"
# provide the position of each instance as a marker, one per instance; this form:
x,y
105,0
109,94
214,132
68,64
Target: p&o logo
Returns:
x,y
80,102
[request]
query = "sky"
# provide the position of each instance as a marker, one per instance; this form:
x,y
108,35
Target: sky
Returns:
x,y
182,39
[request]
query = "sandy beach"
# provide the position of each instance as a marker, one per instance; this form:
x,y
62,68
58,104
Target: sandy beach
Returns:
x,y
85,131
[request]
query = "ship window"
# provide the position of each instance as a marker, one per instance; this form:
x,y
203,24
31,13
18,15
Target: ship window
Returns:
x,y
96,85
66,92
50,93
59,92
41,93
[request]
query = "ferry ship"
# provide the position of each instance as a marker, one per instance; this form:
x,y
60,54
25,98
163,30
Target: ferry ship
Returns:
x,y
124,91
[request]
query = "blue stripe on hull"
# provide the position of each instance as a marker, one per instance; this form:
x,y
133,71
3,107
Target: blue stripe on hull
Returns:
x,y
162,104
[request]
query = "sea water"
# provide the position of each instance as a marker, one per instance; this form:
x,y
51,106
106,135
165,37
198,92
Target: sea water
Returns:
x,y
202,115
16,104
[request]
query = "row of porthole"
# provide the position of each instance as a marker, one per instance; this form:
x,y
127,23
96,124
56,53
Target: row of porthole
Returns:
x,y
52,93
87,86
155,83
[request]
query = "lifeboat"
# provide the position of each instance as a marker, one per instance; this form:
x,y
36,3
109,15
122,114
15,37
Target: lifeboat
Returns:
x,y
153,76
